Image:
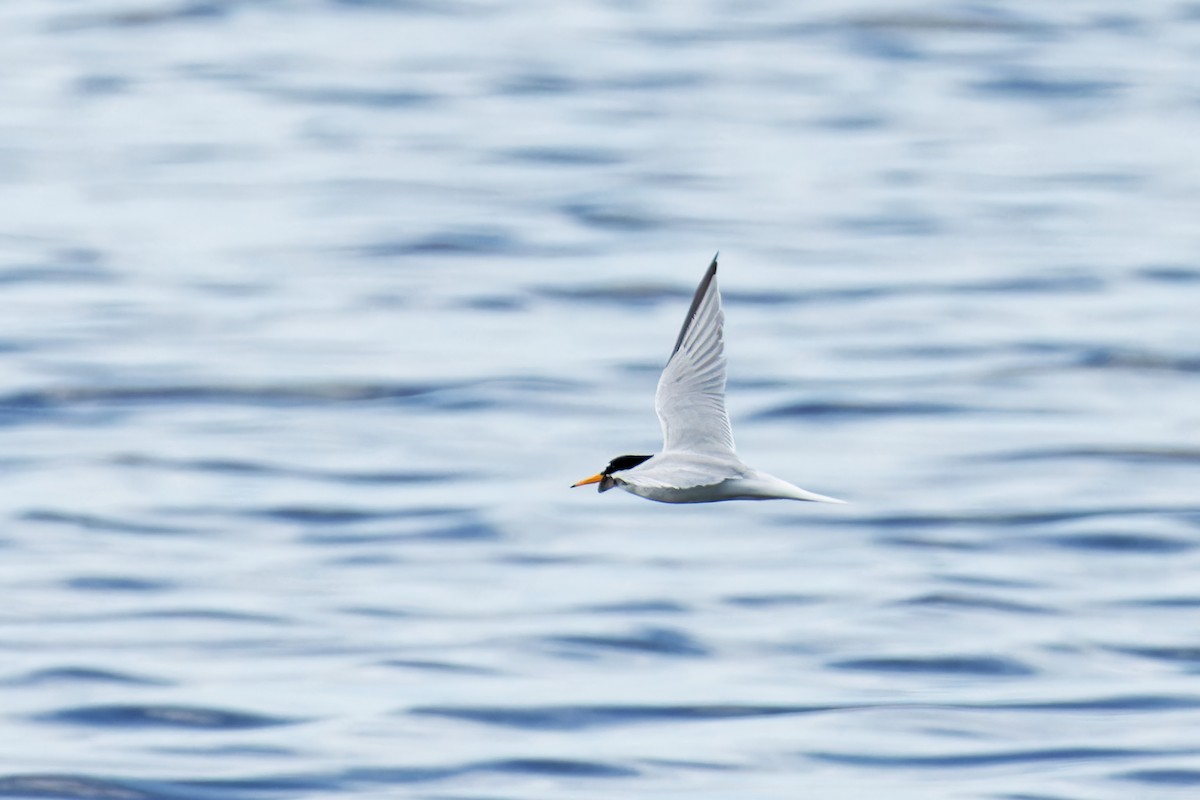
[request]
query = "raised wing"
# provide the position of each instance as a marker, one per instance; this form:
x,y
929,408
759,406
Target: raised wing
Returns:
x,y
691,392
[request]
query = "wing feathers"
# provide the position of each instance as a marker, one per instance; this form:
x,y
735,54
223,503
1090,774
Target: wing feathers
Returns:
x,y
691,392
701,294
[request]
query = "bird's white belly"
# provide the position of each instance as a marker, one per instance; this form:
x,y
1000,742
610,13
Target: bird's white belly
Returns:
x,y
731,489
707,480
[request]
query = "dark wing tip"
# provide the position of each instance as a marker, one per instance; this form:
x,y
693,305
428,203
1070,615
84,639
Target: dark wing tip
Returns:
x,y
701,290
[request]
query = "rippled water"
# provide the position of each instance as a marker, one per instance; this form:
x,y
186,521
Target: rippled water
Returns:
x,y
313,310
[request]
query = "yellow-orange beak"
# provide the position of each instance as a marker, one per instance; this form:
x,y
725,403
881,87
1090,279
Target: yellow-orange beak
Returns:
x,y
599,476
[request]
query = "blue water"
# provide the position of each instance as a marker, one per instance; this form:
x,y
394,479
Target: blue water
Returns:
x,y
312,311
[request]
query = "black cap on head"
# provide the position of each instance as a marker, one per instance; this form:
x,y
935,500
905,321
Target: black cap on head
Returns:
x,y
624,462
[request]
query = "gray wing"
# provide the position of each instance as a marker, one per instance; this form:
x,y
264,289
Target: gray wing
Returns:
x,y
690,400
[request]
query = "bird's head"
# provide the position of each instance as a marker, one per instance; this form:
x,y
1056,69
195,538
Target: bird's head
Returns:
x,y
604,476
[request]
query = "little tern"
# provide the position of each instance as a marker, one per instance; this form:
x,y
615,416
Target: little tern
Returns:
x,y
697,463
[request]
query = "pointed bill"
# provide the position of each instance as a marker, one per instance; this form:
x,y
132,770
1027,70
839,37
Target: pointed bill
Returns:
x,y
599,476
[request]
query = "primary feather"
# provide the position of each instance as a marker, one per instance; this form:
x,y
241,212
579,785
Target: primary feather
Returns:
x,y
690,399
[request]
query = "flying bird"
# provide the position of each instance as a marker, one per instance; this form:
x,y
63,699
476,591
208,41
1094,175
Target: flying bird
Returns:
x,y
697,463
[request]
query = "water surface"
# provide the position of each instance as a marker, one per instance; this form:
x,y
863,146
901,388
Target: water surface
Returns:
x,y
312,311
